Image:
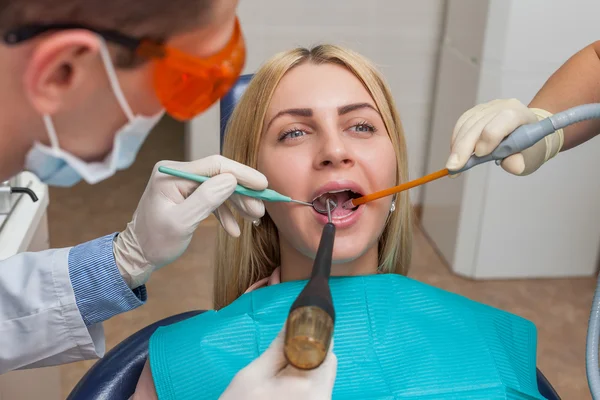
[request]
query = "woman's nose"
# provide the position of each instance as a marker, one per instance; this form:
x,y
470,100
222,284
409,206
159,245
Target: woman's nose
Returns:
x,y
333,152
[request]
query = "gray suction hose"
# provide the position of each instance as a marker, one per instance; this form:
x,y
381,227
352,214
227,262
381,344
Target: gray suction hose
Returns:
x,y
526,136
576,114
559,121
591,346
522,138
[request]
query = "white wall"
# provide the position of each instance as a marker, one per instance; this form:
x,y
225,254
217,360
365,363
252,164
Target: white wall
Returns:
x,y
401,36
488,223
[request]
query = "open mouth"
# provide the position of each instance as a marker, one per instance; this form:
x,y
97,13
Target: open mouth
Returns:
x,y
336,199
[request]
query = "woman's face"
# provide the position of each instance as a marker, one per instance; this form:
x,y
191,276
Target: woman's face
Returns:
x,y
323,133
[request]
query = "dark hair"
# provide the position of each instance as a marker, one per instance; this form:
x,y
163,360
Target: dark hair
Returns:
x,y
155,19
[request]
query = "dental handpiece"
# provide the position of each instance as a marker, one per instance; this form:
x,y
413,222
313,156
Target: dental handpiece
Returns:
x,y
311,318
527,135
520,139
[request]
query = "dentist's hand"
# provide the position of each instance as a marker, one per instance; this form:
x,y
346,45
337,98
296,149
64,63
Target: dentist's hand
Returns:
x,y
271,377
171,209
481,129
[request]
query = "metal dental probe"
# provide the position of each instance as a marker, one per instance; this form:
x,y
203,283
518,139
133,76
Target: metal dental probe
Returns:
x,y
266,195
311,318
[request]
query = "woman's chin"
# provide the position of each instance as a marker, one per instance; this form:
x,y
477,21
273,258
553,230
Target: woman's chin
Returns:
x,y
344,260
350,253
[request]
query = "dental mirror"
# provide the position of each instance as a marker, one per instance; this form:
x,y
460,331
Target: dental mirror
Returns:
x,y
321,203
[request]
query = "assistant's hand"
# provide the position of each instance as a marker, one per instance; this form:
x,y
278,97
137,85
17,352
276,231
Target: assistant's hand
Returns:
x,y
171,209
271,377
481,129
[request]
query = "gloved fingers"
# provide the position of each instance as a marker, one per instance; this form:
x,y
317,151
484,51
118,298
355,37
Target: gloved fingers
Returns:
x,y
466,140
216,164
329,363
174,189
206,199
476,133
478,111
319,380
502,125
467,120
476,119
497,128
514,164
467,115
271,361
249,208
227,220
328,371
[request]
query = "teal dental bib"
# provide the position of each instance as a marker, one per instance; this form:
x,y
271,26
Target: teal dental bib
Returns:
x,y
395,338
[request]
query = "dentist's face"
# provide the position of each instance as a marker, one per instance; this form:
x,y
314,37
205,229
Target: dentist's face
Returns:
x,y
324,134
61,74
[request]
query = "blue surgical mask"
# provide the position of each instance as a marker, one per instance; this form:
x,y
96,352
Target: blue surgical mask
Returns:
x,y
56,167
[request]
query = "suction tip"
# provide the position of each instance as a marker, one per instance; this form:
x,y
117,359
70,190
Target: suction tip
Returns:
x,y
348,205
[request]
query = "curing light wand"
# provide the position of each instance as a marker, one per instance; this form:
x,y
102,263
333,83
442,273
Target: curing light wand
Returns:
x,y
310,321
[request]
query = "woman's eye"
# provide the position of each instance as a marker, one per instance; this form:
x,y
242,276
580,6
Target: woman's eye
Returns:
x,y
292,134
363,127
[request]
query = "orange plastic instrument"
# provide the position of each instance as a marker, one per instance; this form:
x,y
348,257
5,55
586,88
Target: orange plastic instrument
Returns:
x,y
396,189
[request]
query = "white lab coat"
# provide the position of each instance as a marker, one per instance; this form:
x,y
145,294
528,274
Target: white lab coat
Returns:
x,y
40,324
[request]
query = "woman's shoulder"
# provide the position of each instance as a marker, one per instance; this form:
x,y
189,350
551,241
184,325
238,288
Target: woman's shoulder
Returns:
x,y
273,279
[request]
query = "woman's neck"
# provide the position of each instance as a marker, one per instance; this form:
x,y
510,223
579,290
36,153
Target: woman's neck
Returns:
x,y
296,266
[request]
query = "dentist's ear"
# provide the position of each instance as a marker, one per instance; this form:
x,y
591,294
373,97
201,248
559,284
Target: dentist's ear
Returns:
x,y
63,68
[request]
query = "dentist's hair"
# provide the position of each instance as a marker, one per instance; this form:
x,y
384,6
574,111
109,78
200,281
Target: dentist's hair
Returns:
x,y
242,261
156,19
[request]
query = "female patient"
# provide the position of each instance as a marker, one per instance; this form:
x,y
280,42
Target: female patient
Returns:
x,y
315,122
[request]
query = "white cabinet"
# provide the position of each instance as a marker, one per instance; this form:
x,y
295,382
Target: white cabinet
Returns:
x,y
26,229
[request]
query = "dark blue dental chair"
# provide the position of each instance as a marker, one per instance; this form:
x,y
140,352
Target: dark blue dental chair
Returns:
x,y
115,376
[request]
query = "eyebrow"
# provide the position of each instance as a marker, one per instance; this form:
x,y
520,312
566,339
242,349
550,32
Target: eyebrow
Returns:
x,y
308,112
353,107
299,112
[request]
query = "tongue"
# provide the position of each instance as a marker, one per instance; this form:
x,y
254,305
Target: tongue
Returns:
x,y
340,199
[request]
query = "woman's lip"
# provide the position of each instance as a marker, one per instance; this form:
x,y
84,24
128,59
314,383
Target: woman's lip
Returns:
x,y
340,223
338,185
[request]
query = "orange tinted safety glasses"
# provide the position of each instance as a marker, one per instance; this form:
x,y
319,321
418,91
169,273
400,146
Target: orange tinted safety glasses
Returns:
x,y
186,85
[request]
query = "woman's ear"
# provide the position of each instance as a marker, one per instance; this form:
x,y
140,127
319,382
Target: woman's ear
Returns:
x,y
63,68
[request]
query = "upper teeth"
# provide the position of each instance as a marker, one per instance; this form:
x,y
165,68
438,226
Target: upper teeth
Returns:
x,y
340,191
322,196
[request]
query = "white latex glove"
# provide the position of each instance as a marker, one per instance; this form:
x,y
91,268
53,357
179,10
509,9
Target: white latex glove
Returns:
x,y
271,377
481,129
171,209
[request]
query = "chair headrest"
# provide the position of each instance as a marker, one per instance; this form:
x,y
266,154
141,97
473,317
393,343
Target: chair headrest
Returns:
x,y
115,375
229,101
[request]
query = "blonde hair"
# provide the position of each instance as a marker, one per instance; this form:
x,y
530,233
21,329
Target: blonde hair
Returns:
x,y
242,261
